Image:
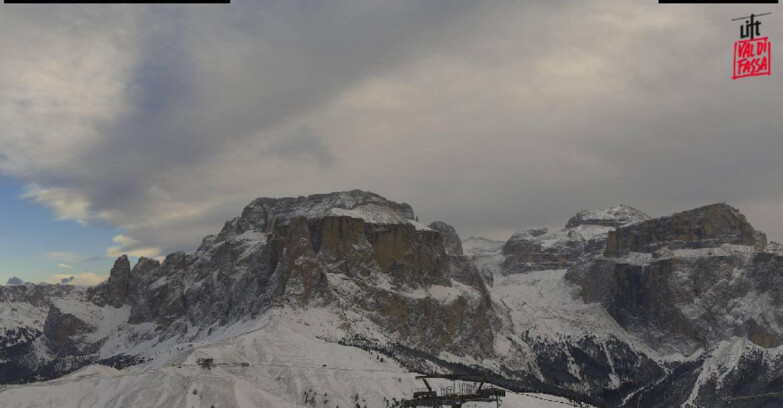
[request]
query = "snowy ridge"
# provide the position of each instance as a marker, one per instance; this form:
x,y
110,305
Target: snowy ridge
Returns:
x,y
587,225
375,214
584,235
608,217
264,212
281,364
15,315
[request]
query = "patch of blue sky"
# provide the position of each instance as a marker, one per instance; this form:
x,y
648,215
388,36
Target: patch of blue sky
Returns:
x,y
34,245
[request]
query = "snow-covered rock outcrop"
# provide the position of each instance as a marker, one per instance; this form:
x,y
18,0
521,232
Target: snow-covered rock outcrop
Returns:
x,y
585,234
342,251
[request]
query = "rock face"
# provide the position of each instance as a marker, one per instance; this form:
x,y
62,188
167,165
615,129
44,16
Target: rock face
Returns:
x,y
609,217
288,248
451,241
119,282
688,281
341,251
584,234
539,249
64,333
263,214
705,227
699,281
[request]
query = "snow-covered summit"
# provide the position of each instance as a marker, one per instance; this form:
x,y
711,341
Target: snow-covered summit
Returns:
x,y
263,214
607,217
586,232
708,226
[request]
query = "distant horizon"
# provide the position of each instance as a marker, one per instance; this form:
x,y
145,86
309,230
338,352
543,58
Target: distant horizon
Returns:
x,y
140,129
93,278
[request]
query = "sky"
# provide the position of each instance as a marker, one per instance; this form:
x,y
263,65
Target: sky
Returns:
x,y
136,129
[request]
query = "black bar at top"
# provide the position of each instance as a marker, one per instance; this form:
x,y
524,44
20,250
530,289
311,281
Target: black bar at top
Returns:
x,y
117,1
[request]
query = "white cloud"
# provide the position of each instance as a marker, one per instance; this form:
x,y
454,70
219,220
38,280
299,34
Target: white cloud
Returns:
x,y
65,256
67,204
124,241
84,278
127,246
64,266
55,83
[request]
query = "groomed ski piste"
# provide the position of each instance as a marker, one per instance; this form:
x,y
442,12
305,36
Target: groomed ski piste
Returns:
x,y
286,359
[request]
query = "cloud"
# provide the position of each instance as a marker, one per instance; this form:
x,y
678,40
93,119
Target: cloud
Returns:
x,y
81,279
129,246
303,146
64,266
65,256
176,98
166,121
67,204
14,281
56,83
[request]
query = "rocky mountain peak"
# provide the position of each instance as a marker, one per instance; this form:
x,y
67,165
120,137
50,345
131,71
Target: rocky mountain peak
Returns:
x,y
264,214
607,217
119,282
350,248
688,280
704,227
144,266
585,233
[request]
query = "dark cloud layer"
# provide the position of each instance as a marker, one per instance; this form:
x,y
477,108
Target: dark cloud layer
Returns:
x,y
492,116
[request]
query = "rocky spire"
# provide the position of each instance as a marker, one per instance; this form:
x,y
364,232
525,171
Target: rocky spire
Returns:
x,y
119,282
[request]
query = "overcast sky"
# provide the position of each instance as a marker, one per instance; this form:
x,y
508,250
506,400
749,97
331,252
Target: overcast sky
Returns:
x,y
141,129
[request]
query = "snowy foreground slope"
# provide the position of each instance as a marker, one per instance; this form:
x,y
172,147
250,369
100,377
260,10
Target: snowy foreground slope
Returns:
x,y
280,362
347,294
